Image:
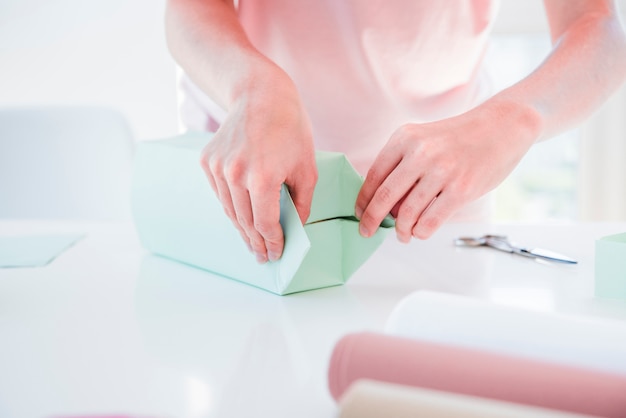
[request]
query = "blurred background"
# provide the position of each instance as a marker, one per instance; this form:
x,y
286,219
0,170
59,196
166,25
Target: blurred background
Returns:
x,y
112,53
95,52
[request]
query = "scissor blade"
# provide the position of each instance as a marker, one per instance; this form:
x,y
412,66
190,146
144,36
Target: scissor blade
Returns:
x,y
546,255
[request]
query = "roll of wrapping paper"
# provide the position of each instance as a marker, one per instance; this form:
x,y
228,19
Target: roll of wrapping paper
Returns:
x,y
463,321
372,399
472,372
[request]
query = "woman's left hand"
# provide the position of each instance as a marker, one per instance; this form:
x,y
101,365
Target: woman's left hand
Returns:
x,y
426,172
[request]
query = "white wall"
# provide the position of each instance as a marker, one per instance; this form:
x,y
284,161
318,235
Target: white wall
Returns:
x,y
104,52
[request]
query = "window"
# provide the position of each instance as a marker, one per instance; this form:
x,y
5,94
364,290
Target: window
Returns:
x,y
544,184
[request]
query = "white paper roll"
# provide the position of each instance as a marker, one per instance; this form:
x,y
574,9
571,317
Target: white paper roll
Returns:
x,y
459,320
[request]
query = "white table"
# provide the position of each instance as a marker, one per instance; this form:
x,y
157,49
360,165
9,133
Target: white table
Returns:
x,y
107,328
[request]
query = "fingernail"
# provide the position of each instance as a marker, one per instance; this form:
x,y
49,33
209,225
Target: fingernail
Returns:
x,y
359,212
363,230
403,239
274,255
261,258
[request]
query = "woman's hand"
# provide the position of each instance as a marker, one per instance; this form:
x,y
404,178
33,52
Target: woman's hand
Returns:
x,y
264,142
426,172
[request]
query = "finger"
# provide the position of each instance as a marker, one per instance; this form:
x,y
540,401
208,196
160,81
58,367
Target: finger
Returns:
x,y
228,208
416,202
439,211
245,219
301,191
384,164
265,201
206,167
213,171
396,207
223,194
392,189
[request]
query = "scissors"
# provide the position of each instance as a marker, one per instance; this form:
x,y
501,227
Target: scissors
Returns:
x,y
500,242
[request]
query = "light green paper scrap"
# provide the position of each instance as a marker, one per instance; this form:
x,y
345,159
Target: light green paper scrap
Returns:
x,y
610,267
33,250
178,216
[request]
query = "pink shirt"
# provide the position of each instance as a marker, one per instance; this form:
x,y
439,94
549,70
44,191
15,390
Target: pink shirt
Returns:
x,y
365,67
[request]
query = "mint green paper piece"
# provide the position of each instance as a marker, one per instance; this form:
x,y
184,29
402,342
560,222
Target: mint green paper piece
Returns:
x,y
33,250
610,267
178,216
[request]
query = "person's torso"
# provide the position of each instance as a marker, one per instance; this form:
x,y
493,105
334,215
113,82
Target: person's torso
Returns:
x,y
365,67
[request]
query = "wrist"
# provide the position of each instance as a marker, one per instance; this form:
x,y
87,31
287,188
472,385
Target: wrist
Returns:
x,y
520,120
259,84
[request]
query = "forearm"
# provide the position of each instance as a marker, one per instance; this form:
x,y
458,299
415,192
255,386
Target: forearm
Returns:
x,y
265,141
208,42
587,63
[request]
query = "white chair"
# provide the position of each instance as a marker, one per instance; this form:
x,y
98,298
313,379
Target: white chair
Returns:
x,y
65,163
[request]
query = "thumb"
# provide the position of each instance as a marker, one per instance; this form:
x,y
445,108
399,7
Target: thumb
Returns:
x,y
301,191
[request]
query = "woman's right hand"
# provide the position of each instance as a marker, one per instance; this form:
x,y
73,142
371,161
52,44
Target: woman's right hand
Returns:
x,y
264,142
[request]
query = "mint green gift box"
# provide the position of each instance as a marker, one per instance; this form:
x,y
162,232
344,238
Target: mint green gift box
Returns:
x,y
610,267
178,216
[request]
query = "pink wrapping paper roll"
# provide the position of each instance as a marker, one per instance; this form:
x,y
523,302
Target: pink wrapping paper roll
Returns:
x,y
475,373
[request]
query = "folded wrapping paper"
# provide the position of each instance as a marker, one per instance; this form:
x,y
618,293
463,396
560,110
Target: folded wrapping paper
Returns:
x,y
472,372
610,267
33,250
373,399
463,321
178,216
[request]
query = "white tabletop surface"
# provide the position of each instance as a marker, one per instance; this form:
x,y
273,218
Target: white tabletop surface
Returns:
x,y
107,328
